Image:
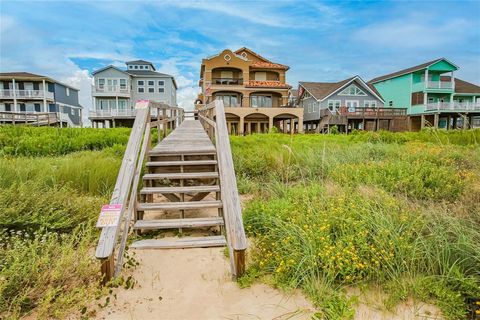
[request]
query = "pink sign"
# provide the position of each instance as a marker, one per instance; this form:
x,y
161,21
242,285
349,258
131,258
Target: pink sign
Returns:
x,y
109,216
142,104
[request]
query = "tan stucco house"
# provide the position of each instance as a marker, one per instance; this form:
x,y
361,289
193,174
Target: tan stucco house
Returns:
x,y
253,89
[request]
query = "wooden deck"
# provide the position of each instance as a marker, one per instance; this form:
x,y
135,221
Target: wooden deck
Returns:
x,y
188,138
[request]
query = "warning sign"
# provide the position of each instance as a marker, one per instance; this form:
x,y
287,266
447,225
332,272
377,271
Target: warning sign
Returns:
x,y
109,216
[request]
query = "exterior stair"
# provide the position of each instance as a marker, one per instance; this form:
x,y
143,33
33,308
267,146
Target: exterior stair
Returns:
x,y
181,191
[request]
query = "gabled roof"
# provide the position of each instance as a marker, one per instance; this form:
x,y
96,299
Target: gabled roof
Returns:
x,y
408,70
252,53
137,62
323,90
29,76
462,86
107,67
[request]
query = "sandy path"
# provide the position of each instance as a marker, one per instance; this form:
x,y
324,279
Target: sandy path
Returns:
x,y
196,284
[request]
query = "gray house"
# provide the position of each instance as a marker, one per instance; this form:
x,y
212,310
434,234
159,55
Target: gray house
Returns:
x,y
24,92
115,92
348,104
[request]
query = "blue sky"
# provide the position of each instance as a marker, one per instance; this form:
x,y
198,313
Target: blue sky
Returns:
x,y
320,41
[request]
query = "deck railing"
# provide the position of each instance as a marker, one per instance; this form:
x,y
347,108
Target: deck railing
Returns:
x,y
372,112
125,192
227,81
213,120
29,118
453,106
25,94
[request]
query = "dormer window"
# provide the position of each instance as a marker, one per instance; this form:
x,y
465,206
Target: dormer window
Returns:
x,y
130,67
141,67
136,67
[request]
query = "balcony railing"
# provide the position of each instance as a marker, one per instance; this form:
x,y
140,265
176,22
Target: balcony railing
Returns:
x,y
110,89
453,106
227,81
439,85
112,113
25,94
371,112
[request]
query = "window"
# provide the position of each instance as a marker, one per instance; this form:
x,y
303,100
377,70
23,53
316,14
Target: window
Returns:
x,y
352,90
369,104
333,105
101,83
141,90
30,107
141,67
123,84
130,67
261,101
261,76
103,104
228,100
67,91
161,90
226,74
151,90
151,82
122,104
161,82
140,83
136,67
390,103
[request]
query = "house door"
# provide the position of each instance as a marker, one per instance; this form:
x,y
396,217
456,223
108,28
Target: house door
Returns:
x,y
351,105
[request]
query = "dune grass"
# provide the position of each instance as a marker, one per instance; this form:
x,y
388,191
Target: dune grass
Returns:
x,y
395,211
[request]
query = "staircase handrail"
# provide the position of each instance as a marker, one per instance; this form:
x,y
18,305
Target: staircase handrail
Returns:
x,y
213,119
126,186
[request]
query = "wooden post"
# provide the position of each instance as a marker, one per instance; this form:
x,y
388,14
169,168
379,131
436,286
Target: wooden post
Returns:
x,y
107,268
241,127
422,122
436,117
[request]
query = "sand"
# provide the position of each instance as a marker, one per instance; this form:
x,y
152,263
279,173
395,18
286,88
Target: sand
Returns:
x,y
196,284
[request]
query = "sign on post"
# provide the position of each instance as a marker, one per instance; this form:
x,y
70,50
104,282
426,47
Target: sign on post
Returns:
x,y
109,216
142,104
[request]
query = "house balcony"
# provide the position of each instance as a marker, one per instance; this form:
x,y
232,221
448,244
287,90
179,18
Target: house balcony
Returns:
x,y
454,106
266,84
26,94
227,81
110,91
434,86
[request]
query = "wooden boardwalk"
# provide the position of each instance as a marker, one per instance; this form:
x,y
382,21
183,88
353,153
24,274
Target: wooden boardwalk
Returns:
x,y
189,137
181,174
188,195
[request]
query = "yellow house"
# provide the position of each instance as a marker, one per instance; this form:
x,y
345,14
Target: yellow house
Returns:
x,y
253,89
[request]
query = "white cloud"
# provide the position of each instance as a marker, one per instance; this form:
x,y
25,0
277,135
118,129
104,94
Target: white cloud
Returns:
x,y
413,33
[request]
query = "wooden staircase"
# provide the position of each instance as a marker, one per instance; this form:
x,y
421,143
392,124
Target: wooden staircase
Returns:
x,y
182,180
187,196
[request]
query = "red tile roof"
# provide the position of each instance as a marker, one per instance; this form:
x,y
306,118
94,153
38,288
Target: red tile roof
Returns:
x,y
267,84
269,65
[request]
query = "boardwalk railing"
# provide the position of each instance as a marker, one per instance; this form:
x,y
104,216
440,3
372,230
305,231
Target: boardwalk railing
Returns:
x,y
29,118
213,120
125,193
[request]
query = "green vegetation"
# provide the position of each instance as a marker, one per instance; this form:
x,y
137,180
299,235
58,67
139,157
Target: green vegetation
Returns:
x,y
50,196
398,212
395,211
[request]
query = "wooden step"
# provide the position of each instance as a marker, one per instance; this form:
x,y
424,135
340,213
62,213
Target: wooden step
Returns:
x,y
186,242
179,205
178,223
180,175
181,163
190,189
179,151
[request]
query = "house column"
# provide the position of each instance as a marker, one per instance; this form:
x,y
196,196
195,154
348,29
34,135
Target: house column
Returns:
x,y
241,126
300,124
44,97
449,119
436,117
249,127
426,78
454,124
422,122
14,95
452,81
116,103
270,123
229,126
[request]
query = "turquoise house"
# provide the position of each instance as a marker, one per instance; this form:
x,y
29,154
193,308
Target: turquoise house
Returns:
x,y
432,95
